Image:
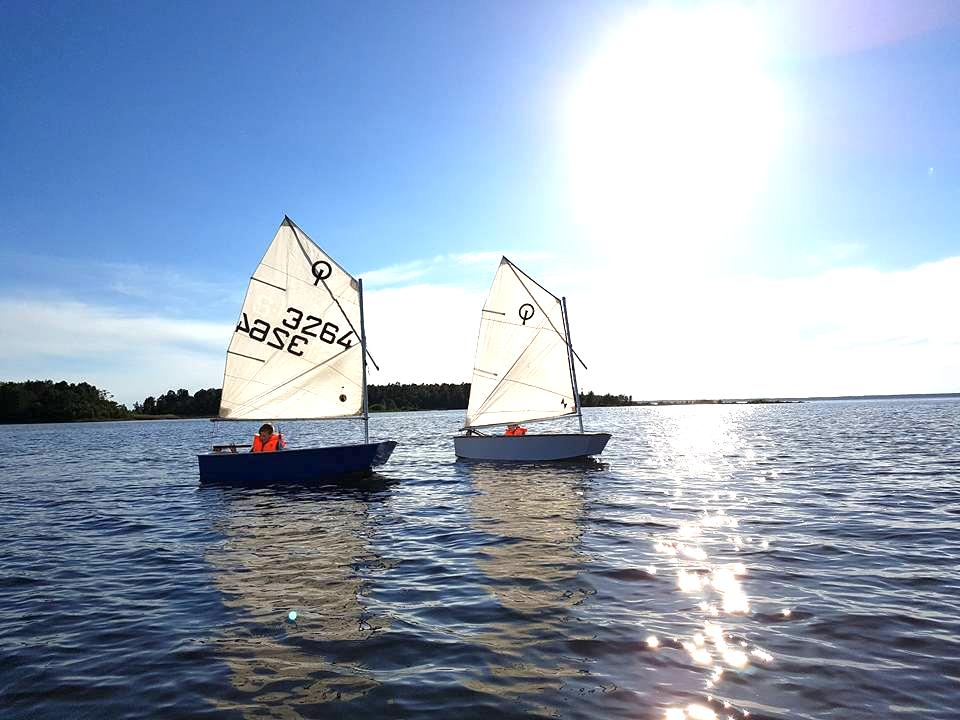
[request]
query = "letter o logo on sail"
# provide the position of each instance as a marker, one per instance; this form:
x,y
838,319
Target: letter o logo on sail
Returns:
x,y
321,271
525,312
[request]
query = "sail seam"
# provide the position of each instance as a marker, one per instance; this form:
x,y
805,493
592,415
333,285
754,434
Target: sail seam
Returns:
x,y
520,382
274,388
526,420
249,357
506,375
265,282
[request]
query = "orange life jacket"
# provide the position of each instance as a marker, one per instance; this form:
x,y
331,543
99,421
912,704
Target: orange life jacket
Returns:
x,y
516,431
274,442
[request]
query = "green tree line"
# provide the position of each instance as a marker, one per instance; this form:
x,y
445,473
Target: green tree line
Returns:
x,y
393,397
47,401
206,403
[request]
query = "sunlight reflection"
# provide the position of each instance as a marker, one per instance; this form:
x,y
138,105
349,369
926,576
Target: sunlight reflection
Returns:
x,y
706,448
700,712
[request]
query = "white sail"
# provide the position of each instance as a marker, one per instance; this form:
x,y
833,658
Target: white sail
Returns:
x,y
296,351
521,371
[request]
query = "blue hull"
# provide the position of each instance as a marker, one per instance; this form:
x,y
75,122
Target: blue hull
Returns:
x,y
293,466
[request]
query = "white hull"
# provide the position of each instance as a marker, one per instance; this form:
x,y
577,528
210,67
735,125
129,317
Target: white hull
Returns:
x,y
529,448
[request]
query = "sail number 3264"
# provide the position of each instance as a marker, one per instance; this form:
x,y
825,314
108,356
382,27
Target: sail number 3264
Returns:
x,y
296,332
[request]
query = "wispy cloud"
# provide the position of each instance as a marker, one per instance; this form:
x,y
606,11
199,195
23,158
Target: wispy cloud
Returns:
x,y
652,335
129,354
442,269
103,282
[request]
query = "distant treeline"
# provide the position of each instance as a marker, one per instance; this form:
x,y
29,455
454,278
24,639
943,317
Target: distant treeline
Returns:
x,y
382,398
206,403
47,401
606,400
412,396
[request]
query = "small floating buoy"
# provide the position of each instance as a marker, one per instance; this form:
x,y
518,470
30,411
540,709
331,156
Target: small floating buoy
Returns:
x,y
292,615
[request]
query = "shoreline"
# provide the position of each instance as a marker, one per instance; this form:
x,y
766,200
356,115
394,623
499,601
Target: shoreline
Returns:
x,y
635,403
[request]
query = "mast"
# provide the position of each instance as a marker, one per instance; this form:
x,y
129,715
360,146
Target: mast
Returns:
x,y
573,369
363,355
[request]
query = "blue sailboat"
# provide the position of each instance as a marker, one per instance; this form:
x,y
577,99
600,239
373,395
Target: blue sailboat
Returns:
x,y
298,352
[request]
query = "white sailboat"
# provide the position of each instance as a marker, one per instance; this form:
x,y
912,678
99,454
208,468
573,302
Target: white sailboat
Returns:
x,y
298,352
524,372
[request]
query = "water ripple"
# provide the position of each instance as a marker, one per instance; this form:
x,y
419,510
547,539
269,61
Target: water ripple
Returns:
x,y
721,562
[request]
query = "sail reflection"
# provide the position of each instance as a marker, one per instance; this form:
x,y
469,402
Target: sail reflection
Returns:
x,y
285,555
531,515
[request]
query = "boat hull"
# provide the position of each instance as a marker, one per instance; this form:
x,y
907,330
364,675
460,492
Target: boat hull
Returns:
x,y
530,448
293,466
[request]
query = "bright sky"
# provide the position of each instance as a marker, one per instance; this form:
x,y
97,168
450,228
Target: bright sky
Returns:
x,y
737,199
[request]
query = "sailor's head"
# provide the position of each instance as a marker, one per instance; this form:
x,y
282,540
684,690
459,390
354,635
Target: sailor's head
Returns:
x,y
513,426
266,430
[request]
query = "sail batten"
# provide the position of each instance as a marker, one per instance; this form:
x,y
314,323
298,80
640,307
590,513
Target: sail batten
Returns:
x,y
522,349
303,308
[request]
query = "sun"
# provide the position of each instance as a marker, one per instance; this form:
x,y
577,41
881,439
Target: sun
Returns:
x,y
670,130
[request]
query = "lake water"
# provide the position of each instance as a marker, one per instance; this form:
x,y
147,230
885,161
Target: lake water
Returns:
x,y
762,561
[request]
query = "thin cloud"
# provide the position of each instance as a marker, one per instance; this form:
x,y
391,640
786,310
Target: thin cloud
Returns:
x,y
441,268
66,279
126,353
656,335
396,274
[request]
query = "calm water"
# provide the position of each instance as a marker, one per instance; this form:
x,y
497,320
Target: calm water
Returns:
x,y
790,561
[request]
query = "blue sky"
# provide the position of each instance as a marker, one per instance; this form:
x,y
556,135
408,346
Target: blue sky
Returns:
x,y
774,222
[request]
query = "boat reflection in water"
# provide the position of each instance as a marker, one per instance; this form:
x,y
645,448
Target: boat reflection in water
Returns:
x,y
289,569
531,564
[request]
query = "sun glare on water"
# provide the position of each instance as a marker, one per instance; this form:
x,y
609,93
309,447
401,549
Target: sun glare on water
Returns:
x,y
670,130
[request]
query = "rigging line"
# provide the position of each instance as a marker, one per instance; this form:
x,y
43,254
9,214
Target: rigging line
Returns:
x,y
510,262
295,377
532,297
326,287
563,336
297,229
